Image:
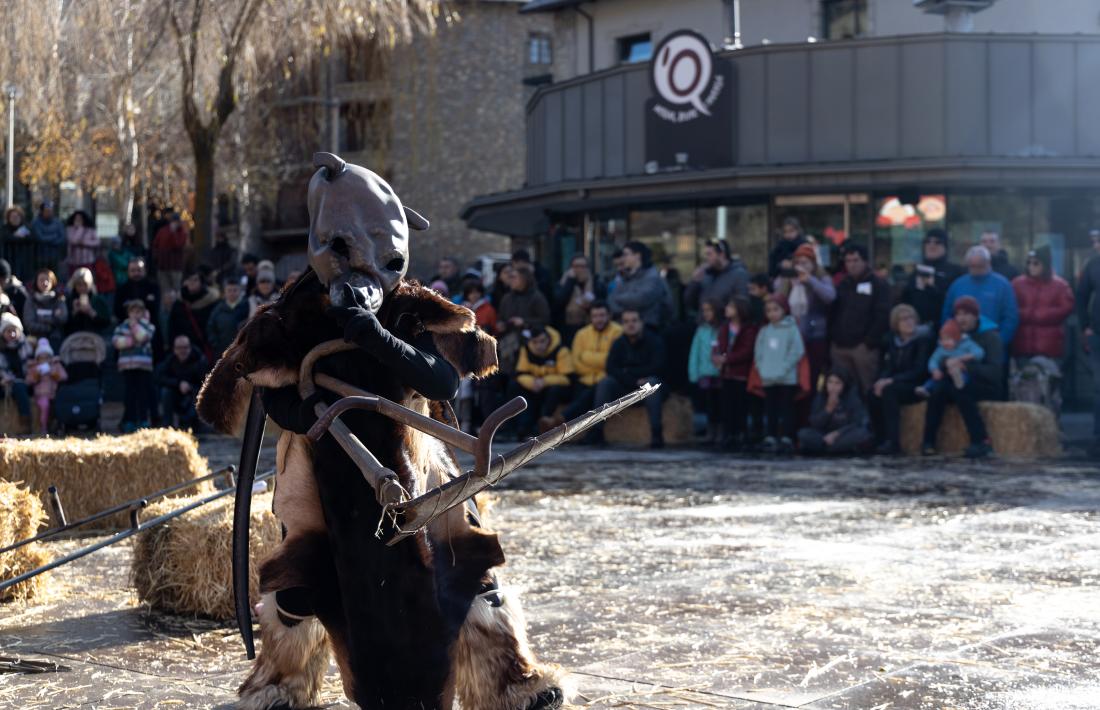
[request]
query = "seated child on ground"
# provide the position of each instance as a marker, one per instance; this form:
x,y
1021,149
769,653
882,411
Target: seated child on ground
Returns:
x,y
838,421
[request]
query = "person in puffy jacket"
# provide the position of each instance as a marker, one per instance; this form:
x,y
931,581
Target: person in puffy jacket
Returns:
x,y
45,313
810,293
542,376
703,371
733,354
838,421
1045,301
591,346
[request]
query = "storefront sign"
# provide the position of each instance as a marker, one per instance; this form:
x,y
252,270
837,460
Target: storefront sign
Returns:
x,y
689,116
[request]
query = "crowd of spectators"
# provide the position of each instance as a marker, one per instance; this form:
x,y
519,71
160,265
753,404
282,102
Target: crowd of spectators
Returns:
x,y
798,359
159,316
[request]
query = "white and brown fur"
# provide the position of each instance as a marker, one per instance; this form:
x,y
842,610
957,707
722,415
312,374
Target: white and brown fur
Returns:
x,y
492,666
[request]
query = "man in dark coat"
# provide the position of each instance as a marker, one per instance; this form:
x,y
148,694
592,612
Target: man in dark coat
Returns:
x,y
718,279
984,380
637,357
139,287
860,318
782,254
991,240
1088,313
179,378
929,282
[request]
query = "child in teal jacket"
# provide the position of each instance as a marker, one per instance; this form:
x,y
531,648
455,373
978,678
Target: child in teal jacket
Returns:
x,y
702,372
779,349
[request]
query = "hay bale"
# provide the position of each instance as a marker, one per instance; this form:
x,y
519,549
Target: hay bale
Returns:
x,y
632,426
1015,429
185,566
21,517
94,474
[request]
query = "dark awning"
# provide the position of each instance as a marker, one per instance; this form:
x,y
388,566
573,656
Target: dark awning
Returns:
x,y
549,5
526,212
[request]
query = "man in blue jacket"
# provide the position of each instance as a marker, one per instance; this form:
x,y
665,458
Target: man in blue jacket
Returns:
x,y
992,291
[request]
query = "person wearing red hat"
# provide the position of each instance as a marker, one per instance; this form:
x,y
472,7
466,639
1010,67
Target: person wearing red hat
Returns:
x,y
810,293
968,381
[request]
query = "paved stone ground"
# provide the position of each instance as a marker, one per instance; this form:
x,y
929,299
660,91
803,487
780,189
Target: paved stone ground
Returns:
x,y
687,579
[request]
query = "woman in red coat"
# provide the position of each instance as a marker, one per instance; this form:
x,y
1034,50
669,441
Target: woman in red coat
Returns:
x,y
1045,301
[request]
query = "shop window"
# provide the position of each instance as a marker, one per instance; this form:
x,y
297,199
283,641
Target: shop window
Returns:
x,y
899,229
635,48
743,227
843,19
539,49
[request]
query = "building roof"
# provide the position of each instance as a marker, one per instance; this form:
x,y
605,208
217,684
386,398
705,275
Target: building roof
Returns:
x,y
548,5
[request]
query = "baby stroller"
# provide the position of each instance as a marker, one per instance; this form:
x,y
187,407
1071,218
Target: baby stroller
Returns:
x,y
79,399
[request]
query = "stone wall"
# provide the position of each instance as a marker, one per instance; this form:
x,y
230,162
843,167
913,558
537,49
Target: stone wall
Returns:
x,y
459,123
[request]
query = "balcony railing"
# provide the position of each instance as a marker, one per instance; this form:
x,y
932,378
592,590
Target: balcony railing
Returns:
x,y
961,97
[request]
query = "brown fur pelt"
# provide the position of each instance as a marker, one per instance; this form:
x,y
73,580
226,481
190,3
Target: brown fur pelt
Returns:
x,y
272,344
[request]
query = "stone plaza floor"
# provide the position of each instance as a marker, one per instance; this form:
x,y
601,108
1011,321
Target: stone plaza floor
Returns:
x,y
685,578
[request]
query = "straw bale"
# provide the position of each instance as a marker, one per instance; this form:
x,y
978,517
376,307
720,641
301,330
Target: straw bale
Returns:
x,y
11,424
94,474
632,426
1018,429
21,517
185,566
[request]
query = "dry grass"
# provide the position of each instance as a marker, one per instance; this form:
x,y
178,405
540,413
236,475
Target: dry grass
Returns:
x,y
185,566
94,474
632,426
1015,429
21,516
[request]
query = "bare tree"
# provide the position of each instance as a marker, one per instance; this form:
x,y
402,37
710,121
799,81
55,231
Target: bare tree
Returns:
x,y
223,44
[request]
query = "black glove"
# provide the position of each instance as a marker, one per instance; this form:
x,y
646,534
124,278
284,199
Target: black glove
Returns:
x,y
360,325
417,364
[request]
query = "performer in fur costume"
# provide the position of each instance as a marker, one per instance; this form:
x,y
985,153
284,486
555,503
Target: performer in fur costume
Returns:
x,y
413,625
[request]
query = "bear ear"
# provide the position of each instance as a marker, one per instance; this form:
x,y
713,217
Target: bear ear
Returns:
x,y
333,165
415,219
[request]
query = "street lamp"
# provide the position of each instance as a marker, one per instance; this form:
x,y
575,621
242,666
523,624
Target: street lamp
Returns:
x,y
12,92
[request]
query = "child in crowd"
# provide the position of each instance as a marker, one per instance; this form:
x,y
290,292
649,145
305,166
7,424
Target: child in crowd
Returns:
x,y
43,373
473,297
733,355
542,376
133,339
760,287
471,393
778,351
954,344
703,369
838,420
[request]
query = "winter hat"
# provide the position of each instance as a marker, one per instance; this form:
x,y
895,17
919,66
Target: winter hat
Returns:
x,y
10,320
1044,256
938,234
950,329
440,287
43,348
806,250
968,304
781,300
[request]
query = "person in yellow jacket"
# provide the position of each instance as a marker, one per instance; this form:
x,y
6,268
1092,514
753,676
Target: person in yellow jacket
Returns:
x,y
590,347
542,376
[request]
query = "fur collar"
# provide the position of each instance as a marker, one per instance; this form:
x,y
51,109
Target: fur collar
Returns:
x,y
271,345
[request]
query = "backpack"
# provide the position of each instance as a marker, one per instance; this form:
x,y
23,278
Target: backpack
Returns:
x,y
1037,381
